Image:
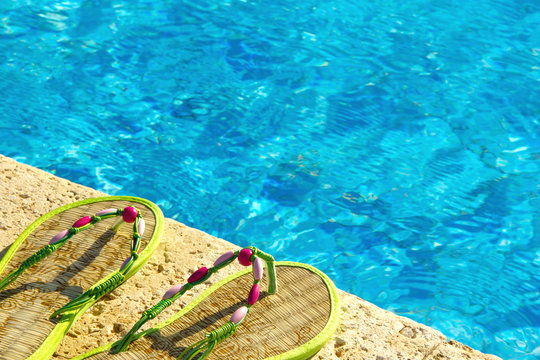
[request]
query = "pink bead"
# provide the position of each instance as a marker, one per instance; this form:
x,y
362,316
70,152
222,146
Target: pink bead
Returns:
x,y
141,227
172,291
125,263
239,314
257,269
197,275
253,294
82,221
224,257
244,257
58,236
129,214
106,211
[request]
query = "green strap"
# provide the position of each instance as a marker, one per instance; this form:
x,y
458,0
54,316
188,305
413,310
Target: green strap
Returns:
x,y
113,282
148,314
135,245
206,345
29,262
97,291
155,310
50,248
92,294
40,255
270,265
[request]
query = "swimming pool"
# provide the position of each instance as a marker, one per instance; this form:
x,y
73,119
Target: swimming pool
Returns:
x,y
393,145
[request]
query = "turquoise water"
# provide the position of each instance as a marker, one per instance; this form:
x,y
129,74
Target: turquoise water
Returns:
x,y
394,145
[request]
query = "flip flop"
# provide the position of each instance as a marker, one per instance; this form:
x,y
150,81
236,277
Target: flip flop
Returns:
x,y
52,271
292,323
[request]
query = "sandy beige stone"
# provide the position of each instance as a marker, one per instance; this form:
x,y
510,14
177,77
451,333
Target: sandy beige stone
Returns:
x,y
366,331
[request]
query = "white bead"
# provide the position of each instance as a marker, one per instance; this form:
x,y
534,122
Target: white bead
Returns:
x,y
141,227
239,314
172,291
258,269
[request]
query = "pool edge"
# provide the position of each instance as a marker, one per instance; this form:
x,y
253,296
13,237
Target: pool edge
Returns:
x,y
365,331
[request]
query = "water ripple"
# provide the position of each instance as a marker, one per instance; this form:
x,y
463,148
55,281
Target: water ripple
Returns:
x,y
393,145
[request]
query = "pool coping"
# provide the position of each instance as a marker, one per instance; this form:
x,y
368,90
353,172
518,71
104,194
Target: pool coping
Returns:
x,y
365,330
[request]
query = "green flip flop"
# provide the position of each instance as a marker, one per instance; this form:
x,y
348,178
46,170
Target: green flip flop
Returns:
x,y
290,324
64,262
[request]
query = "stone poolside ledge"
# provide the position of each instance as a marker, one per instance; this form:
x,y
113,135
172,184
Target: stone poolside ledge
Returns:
x,y
366,332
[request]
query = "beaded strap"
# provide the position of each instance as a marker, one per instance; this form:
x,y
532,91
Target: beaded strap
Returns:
x,y
206,345
247,256
129,215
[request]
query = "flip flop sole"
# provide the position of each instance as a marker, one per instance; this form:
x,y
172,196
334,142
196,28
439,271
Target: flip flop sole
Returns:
x,y
292,324
87,259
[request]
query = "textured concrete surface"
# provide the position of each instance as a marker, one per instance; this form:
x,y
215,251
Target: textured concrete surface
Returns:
x,y
366,331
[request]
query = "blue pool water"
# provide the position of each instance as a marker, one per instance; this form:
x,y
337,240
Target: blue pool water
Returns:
x,y
393,144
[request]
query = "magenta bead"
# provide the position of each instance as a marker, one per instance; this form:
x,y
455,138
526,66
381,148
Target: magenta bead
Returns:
x,y
106,211
58,236
197,275
244,257
257,269
172,291
141,227
129,214
239,314
224,257
82,221
253,294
